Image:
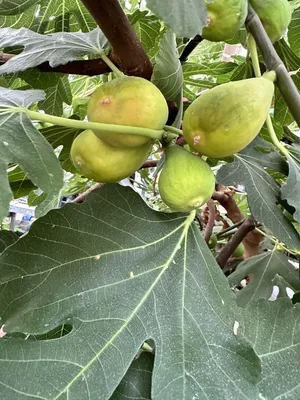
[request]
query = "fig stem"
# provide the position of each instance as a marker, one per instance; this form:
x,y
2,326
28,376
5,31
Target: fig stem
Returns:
x,y
72,123
254,56
111,65
173,129
274,138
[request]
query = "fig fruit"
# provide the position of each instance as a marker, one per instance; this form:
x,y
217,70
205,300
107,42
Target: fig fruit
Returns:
x,y
101,162
225,119
130,101
186,181
239,251
213,240
224,19
275,16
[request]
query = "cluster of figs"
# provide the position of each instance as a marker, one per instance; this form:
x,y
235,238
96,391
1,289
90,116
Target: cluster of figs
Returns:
x,y
219,123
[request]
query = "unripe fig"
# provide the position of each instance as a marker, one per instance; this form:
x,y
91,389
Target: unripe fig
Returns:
x,y
130,101
186,181
101,162
213,240
225,18
275,16
225,119
239,251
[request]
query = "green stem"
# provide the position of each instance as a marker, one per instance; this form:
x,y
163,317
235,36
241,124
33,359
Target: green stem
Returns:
x,y
72,123
254,55
147,348
111,64
173,129
274,138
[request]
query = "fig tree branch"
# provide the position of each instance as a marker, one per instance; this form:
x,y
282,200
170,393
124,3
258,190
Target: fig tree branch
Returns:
x,y
131,56
273,62
82,196
190,47
76,67
210,220
225,253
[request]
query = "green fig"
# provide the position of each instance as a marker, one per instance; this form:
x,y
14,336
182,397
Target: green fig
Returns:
x,y
225,119
101,162
186,181
275,16
224,19
239,251
213,240
130,101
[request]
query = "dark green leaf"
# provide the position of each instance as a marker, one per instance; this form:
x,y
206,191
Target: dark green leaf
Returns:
x,y
119,273
263,268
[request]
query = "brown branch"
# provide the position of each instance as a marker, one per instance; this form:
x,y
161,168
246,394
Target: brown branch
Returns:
x,y
210,220
149,164
82,196
273,62
190,47
115,25
225,253
252,240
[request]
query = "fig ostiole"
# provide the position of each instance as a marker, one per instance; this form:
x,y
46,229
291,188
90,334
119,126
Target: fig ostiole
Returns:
x,y
275,16
97,160
129,101
224,120
186,182
224,19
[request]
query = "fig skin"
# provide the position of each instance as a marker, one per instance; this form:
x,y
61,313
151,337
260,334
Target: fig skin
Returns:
x,y
186,181
130,101
101,162
213,241
225,119
275,16
224,19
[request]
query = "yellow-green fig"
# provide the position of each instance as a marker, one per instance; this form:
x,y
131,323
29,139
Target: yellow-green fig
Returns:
x,y
224,19
130,101
225,119
213,240
101,162
275,16
186,181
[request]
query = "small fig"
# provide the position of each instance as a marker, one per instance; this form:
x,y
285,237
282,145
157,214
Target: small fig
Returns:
x,y
239,251
224,19
225,119
213,240
186,181
130,101
101,162
275,16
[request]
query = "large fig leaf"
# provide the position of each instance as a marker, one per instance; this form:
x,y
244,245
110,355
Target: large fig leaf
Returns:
x,y
136,384
119,273
22,144
57,49
291,189
167,72
274,329
263,192
263,268
185,17
7,238
46,15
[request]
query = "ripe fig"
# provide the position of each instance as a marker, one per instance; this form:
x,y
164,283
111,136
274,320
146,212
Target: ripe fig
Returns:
x,y
225,119
97,160
130,101
186,181
224,19
275,16
239,251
